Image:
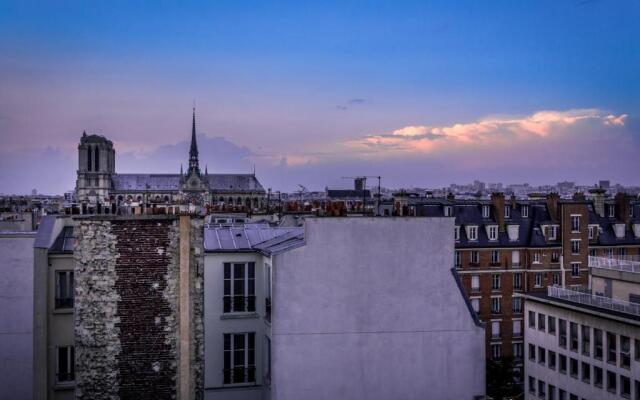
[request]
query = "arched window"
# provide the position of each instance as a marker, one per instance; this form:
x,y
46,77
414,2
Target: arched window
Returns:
x,y
89,163
166,199
97,159
139,198
239,201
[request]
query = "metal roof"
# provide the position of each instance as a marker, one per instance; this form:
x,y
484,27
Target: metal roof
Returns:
x,y
251,237
221,183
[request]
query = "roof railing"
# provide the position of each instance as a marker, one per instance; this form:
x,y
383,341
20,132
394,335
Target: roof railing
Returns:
x,y
618,263
587,298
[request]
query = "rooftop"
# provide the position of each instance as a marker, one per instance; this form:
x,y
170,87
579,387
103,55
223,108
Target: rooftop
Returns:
x,y
619,263
258,237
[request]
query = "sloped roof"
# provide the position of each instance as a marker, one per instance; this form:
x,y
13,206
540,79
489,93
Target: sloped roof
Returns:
x,y
64,243
251,237
221,183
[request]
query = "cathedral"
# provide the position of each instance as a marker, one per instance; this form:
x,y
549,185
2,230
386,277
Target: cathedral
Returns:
x,y
100,190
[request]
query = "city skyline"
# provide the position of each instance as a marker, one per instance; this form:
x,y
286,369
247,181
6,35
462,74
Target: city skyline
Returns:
x,y
421,94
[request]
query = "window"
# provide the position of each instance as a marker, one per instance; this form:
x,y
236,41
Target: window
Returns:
x,y
496,352
552,232
575,223
495,281
475,257
239,358
456,233
64,289
485,211
536,258
525,211
597,343
586,372
458,259
563,363
493,233
592,234
475,282
556,278
573,336
515,258
538,279
597,376
575,269
611,382
496,305
475,303
541,321
495,257
541,389
447,211
532,384
555,257
65,364
532,352
586,340
611,348
625,352
267,361
622,252
552,360
517,328
516,302
552,392
573,367
517,350
507,211
592,252
473,233
239,287
517,280
637,347
562,395
542,359
551,322
495,329
625,387
562,336
532,319
575,246
612,210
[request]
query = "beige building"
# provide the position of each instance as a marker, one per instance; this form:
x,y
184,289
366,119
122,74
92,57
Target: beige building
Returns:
x,y
53,298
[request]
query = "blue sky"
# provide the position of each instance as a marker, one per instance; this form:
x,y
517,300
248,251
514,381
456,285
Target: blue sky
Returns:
x,y
302,90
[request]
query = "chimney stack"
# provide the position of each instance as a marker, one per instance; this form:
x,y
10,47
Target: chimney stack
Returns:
x,y
623,203
552,205
598,196
497,198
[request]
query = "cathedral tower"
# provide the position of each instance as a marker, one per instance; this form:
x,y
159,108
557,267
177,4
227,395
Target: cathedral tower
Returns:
x,y
96,165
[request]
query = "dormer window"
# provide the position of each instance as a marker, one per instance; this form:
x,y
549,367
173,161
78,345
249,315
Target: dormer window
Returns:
x,y
592,232
612,210
456,233
493,232
631,211
447,211
552,232
486,211
525,211
507,211
618,229
472,232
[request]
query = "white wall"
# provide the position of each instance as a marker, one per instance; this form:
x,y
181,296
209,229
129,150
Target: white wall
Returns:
x,y
369,309
16,315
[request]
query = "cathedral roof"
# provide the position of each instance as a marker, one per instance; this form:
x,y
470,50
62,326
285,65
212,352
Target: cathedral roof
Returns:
x,y
220,183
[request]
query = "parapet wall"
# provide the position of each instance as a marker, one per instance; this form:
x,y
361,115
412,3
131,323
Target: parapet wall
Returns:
x,y
128,308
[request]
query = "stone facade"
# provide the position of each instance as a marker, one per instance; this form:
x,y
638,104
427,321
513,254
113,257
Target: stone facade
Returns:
x,y
127,307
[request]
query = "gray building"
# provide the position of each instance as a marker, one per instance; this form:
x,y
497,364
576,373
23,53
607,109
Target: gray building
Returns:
x,y
581,346
348,308
16,304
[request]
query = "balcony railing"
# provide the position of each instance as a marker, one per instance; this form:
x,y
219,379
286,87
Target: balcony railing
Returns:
x,y
239,375
587,298
618,263
233,304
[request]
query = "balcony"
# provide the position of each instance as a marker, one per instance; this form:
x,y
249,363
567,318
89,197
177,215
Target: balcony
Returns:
x,y
239,304
586,298
618,263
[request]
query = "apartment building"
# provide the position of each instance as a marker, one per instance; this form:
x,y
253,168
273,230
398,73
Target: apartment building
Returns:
x,y
581,346
342,308
53,305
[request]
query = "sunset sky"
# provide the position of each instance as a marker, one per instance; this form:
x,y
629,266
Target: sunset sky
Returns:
x,y
423,93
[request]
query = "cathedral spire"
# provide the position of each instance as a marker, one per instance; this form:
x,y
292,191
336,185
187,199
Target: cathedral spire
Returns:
x,y
194,165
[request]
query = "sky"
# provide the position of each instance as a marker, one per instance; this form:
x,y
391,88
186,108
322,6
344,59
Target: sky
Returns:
x,y
423,93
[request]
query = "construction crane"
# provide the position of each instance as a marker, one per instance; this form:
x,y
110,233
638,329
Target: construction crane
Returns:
x,y
363,179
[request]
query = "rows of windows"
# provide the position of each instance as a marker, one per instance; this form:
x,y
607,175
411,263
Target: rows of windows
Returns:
x,y
588,341
496,281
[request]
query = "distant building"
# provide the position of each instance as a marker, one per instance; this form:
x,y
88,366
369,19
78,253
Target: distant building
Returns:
x,y
100,190
346,308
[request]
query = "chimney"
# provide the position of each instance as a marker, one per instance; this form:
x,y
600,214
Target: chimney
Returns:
x,y
598,195
552,205
578,196
514,203
497,198
451,196
623,203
